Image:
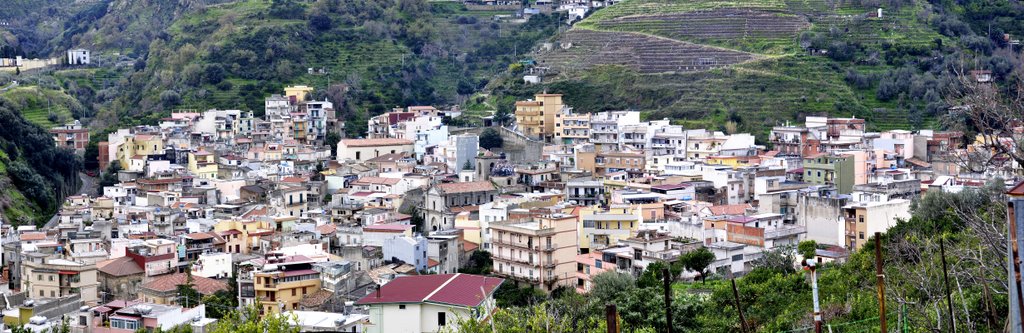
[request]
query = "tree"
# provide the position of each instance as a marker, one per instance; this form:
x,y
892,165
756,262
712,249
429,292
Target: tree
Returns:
x,y
214,73
109,178
991,113
91,157
188,297
220,303
490,138
480,262
320,22
698,261
610,285
807,249
170,98
248,320
331,140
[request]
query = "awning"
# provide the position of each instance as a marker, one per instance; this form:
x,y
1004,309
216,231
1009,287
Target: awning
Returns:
x,y
67,272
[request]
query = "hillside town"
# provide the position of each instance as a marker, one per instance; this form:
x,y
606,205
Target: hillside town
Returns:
x,y
361,234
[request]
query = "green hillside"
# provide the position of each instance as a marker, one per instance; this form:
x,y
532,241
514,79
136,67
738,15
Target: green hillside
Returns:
x,y
43,107
365,56
761,62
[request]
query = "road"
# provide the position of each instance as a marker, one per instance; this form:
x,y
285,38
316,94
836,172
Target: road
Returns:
x,y
9,86
88,188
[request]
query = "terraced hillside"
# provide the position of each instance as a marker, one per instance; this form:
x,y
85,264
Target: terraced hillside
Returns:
x,y
757,61
584,49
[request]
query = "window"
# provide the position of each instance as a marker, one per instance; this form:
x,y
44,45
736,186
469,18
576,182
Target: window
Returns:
x,y
39,277
441,319
861,235
401,306
357,155
860,218
737,257
293,291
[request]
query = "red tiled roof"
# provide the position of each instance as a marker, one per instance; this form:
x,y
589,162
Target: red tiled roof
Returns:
x,y
122,266
375,142
1017,190
730,209
33,236
170,282
329,228
463,290
670,187
376,180
432,262
464,187
387,227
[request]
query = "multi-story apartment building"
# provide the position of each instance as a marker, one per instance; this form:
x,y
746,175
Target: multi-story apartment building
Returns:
x,y
585,191
45,277
536,118
540,251
832,170
603,228
71,135
870,213
572,128
283,281
202,164
601,163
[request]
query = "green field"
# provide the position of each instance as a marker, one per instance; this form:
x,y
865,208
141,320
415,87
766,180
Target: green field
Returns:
x,y
34,106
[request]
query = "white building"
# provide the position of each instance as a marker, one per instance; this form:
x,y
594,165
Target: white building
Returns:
x,y
78,57
213,265
428,303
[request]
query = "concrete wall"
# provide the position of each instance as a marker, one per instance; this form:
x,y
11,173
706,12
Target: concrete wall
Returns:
x,y
517,148
823,219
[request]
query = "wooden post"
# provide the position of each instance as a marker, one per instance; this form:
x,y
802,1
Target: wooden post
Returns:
x,y
945,279
736,301
881,282
668,298
612,318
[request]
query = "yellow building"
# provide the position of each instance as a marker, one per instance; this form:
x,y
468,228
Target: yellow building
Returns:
x,y
283,282
202,164
536,118
243,236
602,228
139,146
43,277
298,93
470,227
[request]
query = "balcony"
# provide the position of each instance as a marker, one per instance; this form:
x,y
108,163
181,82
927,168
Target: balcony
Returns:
x,y
546,247
512,258
551,264
785,231
522,245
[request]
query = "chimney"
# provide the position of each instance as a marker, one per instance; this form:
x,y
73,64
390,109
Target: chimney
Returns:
x,y
378,291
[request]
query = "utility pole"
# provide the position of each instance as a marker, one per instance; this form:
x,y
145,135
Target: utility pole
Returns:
x,y
809,265
945,279
881,281
611,318
668,298
739,309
